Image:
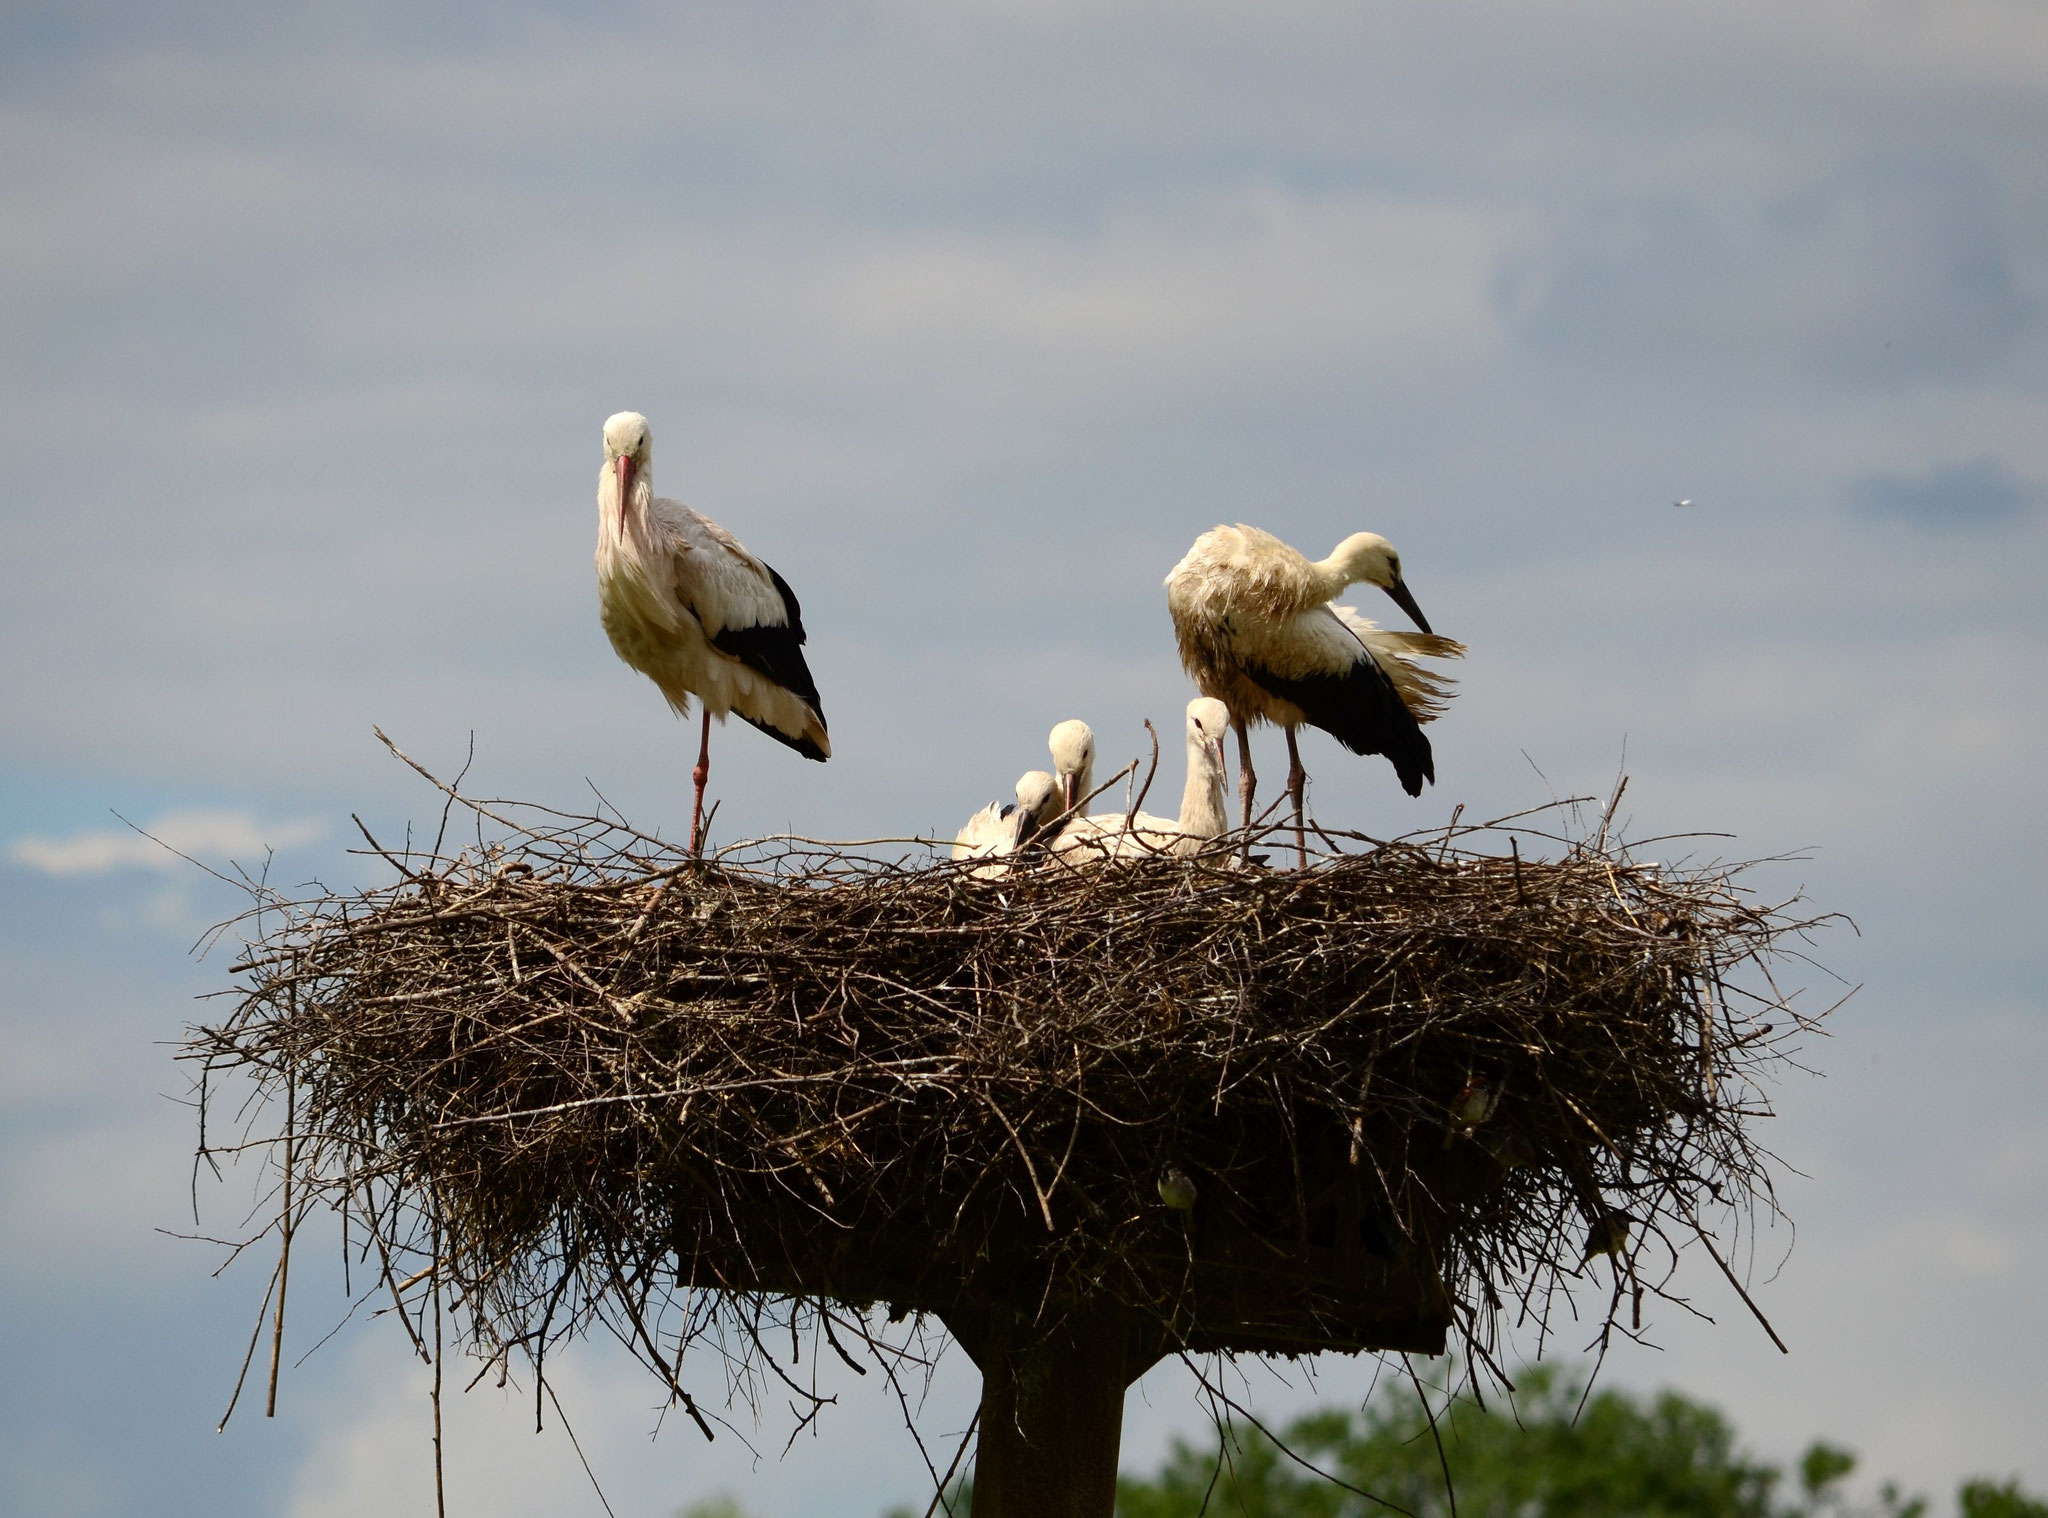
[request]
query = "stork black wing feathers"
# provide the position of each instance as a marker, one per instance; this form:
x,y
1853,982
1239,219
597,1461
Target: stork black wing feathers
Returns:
x,y
1360,709
777,652
798,742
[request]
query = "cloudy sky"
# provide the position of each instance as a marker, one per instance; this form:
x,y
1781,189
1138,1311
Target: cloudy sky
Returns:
x,y
969,317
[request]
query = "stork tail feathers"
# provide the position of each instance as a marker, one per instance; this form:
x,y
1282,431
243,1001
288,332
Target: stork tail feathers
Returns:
x,y
812,744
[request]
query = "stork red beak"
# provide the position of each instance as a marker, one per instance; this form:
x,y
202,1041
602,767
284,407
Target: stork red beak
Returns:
x,y
1406,602
1069,784
625,469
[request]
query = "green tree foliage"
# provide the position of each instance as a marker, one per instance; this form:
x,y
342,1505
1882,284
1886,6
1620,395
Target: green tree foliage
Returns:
x,y
721,1506
1980,1499
1542,1456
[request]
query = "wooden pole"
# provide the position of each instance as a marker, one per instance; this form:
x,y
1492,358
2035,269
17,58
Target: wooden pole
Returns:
x,y
1052,1416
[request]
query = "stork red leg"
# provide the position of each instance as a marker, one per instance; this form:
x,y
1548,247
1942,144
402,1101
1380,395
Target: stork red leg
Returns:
x,y
700,774
1246,783
1297,778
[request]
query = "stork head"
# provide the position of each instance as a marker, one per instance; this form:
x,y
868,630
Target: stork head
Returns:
x,y
1038,802
1073,760
628,451
1208,721
1367,558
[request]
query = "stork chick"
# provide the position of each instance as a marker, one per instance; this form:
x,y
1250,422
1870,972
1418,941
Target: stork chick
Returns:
x,y
1202,811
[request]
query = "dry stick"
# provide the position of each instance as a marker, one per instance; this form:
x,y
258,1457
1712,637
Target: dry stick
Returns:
x,y
249,1357
575,1445
440,1494
1218,1394
1755,1311
1131,816
640,1327
384,1260
1044,1201
1707,1028
939,1496
825,1317
284,1249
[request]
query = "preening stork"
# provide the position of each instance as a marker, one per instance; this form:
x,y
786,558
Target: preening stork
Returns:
x,y
1258,632
697,614
1202,814
999,830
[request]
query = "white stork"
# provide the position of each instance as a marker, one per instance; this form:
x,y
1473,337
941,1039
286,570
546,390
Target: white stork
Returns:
x,y
1044,805
1072,745
1000,829
697,614
1202,814
1257,631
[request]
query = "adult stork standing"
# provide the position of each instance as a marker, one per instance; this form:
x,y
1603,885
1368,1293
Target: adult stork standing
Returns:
x,y
1258,632
697,614
1202,812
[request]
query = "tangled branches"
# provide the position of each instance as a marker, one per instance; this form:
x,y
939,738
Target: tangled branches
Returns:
x,y
579,1078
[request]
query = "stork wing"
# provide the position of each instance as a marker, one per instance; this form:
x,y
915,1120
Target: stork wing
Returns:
x,y
747,610
774,646
1400,654
1320,665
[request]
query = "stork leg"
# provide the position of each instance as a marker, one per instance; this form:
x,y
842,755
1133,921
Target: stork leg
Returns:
x,y
1297,778
1246,783
699,775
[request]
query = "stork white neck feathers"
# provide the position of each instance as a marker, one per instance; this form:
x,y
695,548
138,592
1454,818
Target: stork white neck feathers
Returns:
x,y
1202,813
1363,556
1368,558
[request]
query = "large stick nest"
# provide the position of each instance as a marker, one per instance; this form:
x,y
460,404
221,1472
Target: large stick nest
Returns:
x,y
582,1078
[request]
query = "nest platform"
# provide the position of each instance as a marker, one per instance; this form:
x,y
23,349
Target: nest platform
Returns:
x,y
582,1077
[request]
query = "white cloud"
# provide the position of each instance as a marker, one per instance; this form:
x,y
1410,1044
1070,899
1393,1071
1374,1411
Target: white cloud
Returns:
x,y
201,834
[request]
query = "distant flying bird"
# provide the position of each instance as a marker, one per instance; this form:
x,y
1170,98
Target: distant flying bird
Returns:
x,y
1257,631
1681,503
1176,1189
1202,814
697,614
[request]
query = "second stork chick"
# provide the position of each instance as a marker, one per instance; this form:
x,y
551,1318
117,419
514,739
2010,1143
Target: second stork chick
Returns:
x,y
1202,812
